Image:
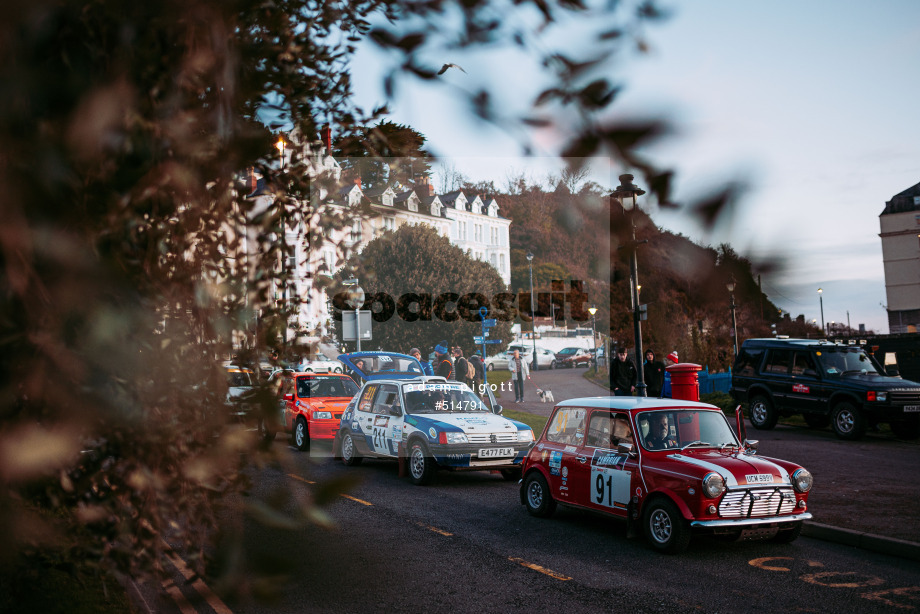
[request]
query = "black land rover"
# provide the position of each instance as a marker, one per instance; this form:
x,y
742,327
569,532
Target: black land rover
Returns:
x,y
826,383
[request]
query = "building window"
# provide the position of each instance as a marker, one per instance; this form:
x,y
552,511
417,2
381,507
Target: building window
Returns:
x,y
389,223
501,263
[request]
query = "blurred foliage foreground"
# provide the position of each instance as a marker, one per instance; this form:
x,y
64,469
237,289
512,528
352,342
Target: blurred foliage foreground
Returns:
x,y
123,129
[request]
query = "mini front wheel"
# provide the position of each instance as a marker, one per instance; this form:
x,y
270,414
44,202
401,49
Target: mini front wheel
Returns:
x,y
665,528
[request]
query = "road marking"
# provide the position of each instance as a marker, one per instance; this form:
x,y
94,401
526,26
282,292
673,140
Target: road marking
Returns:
x,y
349,497
821,579
435,529
361,501
908,592
543,570
184,606
198,584
761,563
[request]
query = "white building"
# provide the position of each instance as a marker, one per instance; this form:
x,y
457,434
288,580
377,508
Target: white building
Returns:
x,y
900,233
466,220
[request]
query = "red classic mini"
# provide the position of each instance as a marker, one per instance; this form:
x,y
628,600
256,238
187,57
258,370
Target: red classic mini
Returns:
x,y
673,466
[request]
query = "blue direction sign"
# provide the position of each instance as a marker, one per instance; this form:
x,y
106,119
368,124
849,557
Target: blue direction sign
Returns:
x,y
488,323
479,340
493,341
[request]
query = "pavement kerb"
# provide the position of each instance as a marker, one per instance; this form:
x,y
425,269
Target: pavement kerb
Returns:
x,y
860,539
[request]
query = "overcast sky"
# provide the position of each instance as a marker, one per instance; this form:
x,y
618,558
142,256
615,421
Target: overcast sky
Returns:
x,y
812,105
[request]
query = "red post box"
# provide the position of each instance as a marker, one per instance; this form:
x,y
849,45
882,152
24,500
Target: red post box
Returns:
x,y
685,381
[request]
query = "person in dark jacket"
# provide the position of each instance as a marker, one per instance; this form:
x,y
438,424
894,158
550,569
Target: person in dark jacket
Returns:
x,y
442,364
623,375
461,367
654,374
478,366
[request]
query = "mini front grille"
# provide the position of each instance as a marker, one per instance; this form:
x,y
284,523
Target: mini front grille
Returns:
x,y
509,437
755,503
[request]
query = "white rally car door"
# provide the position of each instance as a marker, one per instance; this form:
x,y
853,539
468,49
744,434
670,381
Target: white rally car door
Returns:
x,y
385,426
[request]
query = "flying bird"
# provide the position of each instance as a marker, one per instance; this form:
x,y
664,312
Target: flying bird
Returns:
x,y
446,66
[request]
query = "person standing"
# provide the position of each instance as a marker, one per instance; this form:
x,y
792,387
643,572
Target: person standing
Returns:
x,y
461,367
623,375
654,374
442,364
426,366
519,371
478,374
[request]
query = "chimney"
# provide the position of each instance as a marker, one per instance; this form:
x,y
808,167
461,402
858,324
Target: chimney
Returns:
x,y
327,138
358,183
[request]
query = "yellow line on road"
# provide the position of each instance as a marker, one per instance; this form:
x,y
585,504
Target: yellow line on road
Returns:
x,y
543,570
198,584
435,529
349,497
361,501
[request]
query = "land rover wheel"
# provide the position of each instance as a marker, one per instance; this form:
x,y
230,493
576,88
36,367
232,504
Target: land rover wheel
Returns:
x,y
349,452
539,501
762,413
816,421
665,528
301,435
421,464
847,421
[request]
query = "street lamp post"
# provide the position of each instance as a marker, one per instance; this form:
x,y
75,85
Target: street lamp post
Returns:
x,y
593,310
731,291
821,301
627,193
533,320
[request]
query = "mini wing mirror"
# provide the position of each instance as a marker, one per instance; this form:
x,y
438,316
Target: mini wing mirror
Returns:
x,y
626,449
750,445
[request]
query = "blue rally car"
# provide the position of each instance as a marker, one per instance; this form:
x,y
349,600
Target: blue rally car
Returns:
x,y
429,422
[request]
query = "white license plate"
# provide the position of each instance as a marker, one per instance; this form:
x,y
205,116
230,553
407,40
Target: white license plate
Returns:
x,y
912,408
496,452
760,478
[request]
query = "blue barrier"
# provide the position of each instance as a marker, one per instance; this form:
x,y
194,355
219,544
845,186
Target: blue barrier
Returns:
x,y
709,382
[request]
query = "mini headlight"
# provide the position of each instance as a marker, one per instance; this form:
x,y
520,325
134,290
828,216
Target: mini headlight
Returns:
x,y
713,485
322,415
454,437
802,480
526,435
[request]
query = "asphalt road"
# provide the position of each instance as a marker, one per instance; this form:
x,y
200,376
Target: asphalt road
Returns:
x,y
466,544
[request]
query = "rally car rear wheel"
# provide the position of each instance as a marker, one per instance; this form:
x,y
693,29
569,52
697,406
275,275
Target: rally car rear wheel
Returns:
x,y
421,465
665,528
539,501
349,453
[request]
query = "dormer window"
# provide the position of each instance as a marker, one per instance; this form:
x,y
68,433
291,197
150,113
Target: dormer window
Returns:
x,y
413,206
387,198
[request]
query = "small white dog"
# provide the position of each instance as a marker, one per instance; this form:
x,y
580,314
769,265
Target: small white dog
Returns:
x,y
546,396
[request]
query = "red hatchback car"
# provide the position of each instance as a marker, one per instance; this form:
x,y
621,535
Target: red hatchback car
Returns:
x,y
312,406
673,466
